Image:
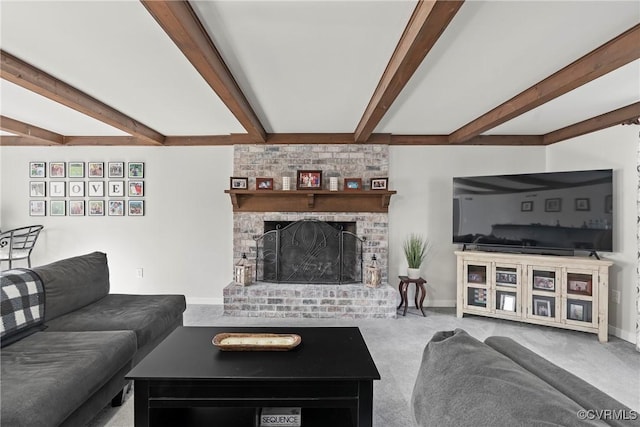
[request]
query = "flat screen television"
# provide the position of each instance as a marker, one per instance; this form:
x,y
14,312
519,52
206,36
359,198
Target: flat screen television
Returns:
x,y
548,212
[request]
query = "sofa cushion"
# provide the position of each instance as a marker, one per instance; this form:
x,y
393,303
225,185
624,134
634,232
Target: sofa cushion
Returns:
x,y
149,316
48,375
21,305
464,382
72,283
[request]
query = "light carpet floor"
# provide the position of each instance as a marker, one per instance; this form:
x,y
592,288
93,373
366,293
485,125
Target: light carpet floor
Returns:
x,y
397,344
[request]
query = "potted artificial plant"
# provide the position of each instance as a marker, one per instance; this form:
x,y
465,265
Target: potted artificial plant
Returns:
x,y
415,250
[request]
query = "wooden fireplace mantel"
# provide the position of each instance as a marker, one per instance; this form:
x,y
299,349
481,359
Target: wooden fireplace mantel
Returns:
x,y
310,200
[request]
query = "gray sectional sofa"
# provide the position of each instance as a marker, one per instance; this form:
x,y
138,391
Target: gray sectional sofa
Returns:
x,y
465,382
68,365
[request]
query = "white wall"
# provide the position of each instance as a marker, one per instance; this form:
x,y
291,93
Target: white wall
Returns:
x,y
423,178
614,148
183,243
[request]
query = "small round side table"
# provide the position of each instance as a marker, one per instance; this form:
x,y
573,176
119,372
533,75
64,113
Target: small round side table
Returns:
x,y
420,293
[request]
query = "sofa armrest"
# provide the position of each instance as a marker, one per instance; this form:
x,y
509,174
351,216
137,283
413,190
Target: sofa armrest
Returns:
x,y
580,391
464,382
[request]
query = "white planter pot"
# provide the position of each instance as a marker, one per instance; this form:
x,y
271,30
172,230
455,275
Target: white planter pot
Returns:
x,y
413,273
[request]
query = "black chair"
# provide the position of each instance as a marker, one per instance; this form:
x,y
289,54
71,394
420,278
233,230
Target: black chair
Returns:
x,y
18,243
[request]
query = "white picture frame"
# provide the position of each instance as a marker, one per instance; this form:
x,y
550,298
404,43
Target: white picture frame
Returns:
x,y
96,188
116,208
76,207
37,189
57,188
37,208
116,189
96,208
76,188
57,208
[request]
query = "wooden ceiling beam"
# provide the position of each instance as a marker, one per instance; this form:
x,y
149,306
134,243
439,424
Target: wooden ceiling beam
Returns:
x,y
23,141
603,121
610,56
17,127
29,77
323,138
478,140
427,23
125,141
198,140
181,24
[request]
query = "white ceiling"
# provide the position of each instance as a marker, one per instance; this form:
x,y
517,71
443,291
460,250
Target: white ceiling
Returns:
x,y
310,66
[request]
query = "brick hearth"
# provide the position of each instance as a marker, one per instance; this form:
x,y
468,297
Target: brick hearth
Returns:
x,y
354,301
310,301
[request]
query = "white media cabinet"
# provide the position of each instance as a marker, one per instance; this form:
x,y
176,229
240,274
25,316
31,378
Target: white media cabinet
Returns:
x,y
561,291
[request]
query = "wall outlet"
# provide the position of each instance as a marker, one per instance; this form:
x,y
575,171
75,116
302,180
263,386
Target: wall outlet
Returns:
x,y
139,273
615,296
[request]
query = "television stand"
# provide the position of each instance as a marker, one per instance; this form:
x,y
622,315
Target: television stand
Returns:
x,y
562,292
594,254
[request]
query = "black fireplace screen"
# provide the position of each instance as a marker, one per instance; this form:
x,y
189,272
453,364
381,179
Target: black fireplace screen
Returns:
x,y
309,251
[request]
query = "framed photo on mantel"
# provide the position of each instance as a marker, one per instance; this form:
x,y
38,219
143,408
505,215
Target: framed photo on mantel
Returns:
x,y
352,184
264,183
239,183
308,179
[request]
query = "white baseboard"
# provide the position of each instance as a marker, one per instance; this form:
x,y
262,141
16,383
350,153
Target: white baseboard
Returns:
x,y
450,303
623,335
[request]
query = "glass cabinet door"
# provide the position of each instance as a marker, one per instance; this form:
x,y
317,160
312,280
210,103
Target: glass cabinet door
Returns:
x,y
544,290
476,285
508,279
580,290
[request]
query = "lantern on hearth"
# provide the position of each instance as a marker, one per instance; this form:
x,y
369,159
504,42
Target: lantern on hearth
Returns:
x,y
243,271
372,274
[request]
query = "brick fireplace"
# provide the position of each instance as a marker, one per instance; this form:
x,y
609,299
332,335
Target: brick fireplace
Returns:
x,y
352,300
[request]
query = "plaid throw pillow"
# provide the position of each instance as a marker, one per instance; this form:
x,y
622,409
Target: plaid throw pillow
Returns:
x,y
21,304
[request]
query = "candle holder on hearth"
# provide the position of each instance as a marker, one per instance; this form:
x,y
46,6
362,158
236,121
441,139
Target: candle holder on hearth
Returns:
x,y
372,274
243,271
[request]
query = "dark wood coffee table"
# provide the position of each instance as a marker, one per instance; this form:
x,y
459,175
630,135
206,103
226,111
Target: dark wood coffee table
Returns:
x,y
188,381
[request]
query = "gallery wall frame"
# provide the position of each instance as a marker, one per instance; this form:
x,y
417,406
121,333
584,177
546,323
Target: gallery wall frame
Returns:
x,y
116,169
76,188
57,188
96,188
55,181
136,170
37,207
96,207
136,207
76,207
75,170
57,170
57,208
136,188
37,189
37,169
96,169
116,207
